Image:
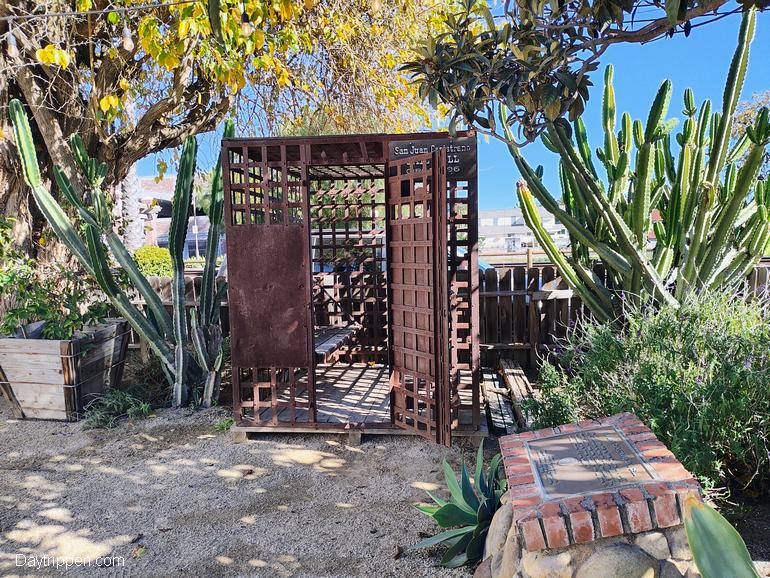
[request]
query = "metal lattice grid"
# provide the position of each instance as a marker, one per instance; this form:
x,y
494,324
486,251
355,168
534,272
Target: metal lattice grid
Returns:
x,y
417,300
269,228
348,256
463,277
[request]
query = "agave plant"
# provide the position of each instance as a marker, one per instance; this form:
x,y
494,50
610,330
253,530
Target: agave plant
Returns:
x,y
717,548
468,512
92,238
714,210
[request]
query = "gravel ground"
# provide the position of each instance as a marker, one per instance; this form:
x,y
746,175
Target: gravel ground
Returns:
x,y
173,497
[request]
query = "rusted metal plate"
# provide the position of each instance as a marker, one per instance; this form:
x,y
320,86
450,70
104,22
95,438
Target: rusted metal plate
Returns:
x,y
267,277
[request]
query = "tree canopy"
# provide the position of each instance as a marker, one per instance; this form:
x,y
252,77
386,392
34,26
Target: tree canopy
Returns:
x,y
534,58
133,79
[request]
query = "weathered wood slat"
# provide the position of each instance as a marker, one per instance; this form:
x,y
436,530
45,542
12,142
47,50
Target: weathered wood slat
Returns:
x,y
53,379
54,414
500,412
518,387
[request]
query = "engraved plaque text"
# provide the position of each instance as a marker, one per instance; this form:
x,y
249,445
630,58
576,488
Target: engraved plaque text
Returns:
x,y
586,461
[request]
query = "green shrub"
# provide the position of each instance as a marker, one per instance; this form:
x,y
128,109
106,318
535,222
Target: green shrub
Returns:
x,y
106,410
468,512
62,297
153,261
224,425
697,376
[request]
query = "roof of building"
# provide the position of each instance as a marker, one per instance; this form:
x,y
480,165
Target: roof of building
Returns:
x,y
163,189
503,230
506,212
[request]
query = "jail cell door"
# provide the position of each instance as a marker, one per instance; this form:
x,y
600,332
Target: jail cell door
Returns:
x,y
417,289
267,233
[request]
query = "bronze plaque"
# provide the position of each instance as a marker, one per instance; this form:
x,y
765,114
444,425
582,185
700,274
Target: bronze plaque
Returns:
x,y
586,461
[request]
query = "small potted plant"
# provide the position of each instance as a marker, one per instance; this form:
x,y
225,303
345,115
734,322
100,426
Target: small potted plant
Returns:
x,y
58,348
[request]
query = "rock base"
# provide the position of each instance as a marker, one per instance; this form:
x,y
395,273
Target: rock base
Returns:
x,y
662,553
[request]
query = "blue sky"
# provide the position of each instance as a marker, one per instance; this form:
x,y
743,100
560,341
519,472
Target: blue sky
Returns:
x,y
699,62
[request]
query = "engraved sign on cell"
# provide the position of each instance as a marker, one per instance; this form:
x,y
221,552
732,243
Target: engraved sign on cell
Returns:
x,y
593,460
460,153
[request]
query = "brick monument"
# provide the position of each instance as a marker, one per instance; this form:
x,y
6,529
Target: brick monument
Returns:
x,y
592,499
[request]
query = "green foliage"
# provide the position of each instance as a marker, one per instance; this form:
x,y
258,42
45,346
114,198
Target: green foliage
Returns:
x,y
696,375
84,238
714,211
153,261
62,298
205,324
92,237
107,410
224,425
533,59
717,547
180,213
199,262
471,506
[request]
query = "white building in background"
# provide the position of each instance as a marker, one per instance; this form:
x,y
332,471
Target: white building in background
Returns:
x,y
155,202
504,231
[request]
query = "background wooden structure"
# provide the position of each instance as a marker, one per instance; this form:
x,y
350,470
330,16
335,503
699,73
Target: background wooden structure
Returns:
x,y
55,379
519,320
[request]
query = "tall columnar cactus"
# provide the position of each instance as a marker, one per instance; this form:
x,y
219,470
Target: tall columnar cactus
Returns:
x,y
166,336
714,211
205,327
177,236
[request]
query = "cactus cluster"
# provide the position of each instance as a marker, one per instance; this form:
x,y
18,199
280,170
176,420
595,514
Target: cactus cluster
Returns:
x,y
93,238
714,210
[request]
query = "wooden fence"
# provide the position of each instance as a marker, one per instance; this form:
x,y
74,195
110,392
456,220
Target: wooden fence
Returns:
x,y
523,310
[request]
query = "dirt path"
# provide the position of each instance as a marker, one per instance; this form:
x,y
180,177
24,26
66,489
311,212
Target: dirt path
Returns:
x,y
175,498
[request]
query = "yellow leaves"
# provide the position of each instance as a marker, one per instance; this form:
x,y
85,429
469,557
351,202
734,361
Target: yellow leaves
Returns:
x,y
285,9
259,38
161,167
83,5
53,56
232,75
283,79
124,84
185,24
168,60
109,102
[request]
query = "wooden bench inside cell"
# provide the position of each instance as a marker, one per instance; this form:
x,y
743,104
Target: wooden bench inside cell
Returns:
x,y
330,339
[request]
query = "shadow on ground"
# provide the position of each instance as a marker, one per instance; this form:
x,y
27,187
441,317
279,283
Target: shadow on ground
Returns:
x,y
173,498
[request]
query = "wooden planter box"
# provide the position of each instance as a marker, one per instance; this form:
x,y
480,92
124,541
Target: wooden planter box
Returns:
x,y
53,379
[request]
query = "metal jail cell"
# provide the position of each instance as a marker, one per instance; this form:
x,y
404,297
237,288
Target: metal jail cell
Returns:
x,y
353,282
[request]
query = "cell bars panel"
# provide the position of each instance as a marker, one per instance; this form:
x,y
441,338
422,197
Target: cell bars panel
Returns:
x,y
266,220
463,301
417,265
